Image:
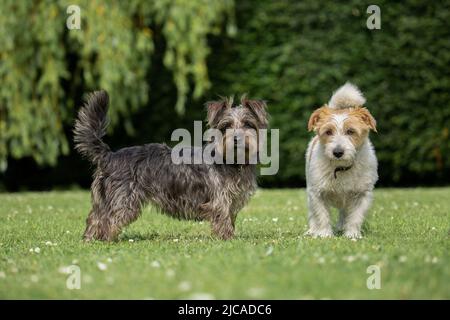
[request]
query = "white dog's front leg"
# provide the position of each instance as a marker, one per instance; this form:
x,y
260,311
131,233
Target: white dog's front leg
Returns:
x,y
356,211
318,217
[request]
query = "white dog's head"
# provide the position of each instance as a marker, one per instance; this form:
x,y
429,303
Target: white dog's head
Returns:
x,y
343,125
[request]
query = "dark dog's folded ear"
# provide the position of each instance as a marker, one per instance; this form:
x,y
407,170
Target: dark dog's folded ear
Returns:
x,y
215,110
258,108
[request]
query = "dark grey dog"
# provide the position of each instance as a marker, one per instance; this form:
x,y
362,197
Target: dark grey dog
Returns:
x,y
127,179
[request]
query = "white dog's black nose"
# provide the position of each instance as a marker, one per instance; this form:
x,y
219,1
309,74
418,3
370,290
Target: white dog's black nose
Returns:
x,y
338,152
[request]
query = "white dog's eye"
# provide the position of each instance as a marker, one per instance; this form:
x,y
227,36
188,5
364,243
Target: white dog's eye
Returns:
x,y
350,132
329,132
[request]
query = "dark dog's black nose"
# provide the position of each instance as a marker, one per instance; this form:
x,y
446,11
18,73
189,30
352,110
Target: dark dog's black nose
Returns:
x,y
338,152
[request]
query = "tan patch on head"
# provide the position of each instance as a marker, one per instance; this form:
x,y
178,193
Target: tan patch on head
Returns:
x,y
356,130
322,115
364,115
326,131
319,117
320,122
358,124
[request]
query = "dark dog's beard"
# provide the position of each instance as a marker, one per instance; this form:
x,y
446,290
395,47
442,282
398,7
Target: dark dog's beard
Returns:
x,y
241,155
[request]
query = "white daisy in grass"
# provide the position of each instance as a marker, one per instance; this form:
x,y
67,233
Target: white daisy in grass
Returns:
x,y
184,286
155,264
255,292
102,266
64,270
269,251
321,260
170,273
35,250
349,258
201,296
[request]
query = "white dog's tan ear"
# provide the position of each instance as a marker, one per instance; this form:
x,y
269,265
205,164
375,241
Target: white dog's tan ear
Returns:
x,y
315,118
367,118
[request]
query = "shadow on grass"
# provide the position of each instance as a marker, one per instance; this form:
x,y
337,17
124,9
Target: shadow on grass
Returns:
x,y
149,236
138,236
365,230
244,235
202,237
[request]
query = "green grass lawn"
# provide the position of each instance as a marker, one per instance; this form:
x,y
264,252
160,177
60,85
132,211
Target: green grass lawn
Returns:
x,y
406,235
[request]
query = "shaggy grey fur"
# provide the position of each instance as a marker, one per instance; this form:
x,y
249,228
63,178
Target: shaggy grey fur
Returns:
x,y
125,180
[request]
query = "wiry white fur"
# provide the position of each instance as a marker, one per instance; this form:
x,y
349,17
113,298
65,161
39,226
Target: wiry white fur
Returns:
x,y
350,191
347,96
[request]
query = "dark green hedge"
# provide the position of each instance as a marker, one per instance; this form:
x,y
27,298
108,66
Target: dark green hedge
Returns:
x,y
295,53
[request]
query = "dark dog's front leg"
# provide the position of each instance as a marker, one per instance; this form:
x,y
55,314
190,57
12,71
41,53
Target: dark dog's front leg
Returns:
x,y
222,226
221,220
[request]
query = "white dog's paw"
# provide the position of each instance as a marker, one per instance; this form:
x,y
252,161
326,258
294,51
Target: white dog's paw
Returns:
x,y
353,234
340,227
322,233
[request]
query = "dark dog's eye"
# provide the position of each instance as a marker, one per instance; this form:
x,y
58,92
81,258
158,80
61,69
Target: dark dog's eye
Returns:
x,y
350,132
224,127
249,125
329,132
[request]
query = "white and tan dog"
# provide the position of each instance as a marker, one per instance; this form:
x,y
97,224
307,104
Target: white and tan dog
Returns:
x,y
341,166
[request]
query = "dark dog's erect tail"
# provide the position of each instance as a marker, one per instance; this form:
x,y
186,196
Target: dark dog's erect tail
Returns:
x,y
90,127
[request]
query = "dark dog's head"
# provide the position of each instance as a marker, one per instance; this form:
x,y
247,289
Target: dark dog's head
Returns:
x,y
239,126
